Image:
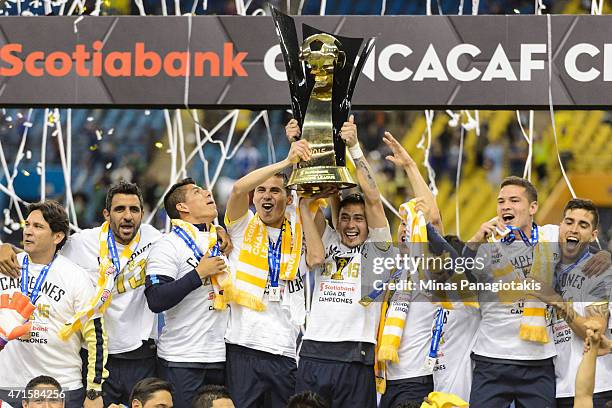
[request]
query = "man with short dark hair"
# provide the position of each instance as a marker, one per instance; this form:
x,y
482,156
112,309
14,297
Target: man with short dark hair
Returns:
x,y
43,392
337,353
213,396
187,279
58,289
513,353
150,393
268,304
118,249
578,299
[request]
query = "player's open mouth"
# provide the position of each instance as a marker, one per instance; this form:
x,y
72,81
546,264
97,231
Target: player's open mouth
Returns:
x,y
507,218
352,234
211,202
572,242
267,206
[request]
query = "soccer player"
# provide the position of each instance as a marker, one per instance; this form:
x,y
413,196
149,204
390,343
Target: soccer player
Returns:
x,y
181,265
578,299
410,379
58,289
129,322
337,353
507,367
268,307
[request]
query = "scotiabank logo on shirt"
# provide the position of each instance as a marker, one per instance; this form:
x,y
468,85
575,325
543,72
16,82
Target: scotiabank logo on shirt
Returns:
x,y
93,61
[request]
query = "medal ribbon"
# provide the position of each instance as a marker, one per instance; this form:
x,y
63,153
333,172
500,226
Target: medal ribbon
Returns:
x,y
39,281
274,258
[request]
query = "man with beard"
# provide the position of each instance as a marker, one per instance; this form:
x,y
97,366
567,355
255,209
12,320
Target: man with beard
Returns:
x,y
268,304
337,354
187,280
578,299
124,243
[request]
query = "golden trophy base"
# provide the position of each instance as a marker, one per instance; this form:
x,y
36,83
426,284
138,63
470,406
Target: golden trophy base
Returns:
x,y
309,181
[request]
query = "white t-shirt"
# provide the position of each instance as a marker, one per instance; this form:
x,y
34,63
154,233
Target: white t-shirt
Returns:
x,y
498,334
194,329
583,291
453,369
336,314
415,342
128,319
63,294
271,330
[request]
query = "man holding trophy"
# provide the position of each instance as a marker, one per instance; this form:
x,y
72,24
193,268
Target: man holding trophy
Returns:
x,y
337,354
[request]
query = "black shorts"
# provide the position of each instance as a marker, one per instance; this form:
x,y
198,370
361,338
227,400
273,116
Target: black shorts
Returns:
x,y
259,379
497,385
342,384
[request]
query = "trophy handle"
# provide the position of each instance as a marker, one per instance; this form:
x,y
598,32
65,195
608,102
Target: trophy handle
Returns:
x,y
363,57
298,83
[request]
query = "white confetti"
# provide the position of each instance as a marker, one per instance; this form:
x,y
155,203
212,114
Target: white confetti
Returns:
x,y
517,11
55,133
29,154
15,226
25,173
147,112
39,168
27,124
19,115
7,230
111,131
90,118
9,118
77,21
109,165
98,134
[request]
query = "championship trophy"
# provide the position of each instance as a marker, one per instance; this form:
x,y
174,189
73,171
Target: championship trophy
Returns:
x,y
322,74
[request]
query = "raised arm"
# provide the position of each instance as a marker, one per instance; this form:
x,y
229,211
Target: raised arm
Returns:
x,y
375,212
585,378
315,253
238,203
402,159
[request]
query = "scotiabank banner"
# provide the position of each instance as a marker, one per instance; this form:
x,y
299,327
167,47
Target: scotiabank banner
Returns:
x,y
235,61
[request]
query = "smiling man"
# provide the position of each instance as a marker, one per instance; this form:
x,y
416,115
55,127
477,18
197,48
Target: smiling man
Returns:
x,y
337,354
58,289
129,322
183,269
508,368
269,305
579,298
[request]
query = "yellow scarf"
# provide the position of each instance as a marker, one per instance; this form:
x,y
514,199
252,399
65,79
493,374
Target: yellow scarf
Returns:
x,y
533,320
252,270
106,281
444,400
393,317
222,283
